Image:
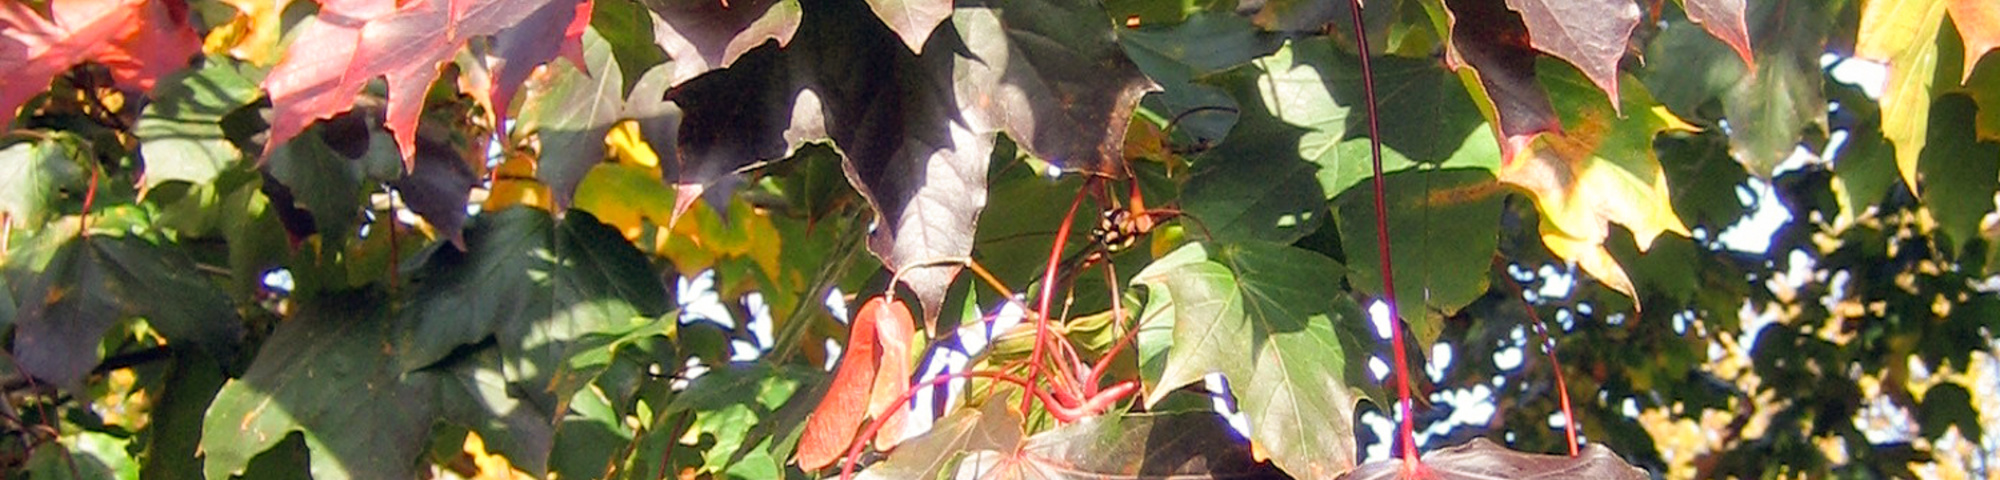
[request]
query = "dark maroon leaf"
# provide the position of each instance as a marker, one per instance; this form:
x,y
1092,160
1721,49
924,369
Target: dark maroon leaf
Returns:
x,y
1495,48
518,49
1482,459
438,188
911,150
917,130
1049,74
1590,34
703,35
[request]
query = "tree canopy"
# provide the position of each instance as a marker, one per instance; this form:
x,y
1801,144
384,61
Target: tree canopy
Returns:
x,y
490,238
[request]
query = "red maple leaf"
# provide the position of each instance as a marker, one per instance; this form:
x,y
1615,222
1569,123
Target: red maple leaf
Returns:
x,y
351,42
140,40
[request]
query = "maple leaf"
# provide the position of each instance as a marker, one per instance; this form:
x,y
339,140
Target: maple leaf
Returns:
x,y
706,35
1979,24
1481,458
1724,20
1769,105
1904,35
1602,170
351,42
1502,66
912,20
140,40
1590,34
916,130
1048,74
518,49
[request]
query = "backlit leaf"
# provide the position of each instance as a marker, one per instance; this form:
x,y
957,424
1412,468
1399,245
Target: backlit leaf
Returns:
x,y
1979,24
912,20
1602,170
140,40
351,43
257,30
1904,35
570,112
1724,20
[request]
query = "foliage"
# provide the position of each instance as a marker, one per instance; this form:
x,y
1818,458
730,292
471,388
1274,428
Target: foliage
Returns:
x,y
411,238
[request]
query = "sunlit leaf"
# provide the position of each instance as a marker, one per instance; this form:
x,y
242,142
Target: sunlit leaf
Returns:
x,y
540,287
349,44
993,427
701,35
1602,170
570,112
912,20
1264,316
1724,20
1979,24
33,180
1904,35
181,133
1177,56
140,40
330,372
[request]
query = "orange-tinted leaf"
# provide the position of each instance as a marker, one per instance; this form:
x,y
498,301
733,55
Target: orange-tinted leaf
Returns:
x,y
1501,77
1601,170
1724,20
1979,24
140,40
838,417
893,330
1481,458
351,42
1590,34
